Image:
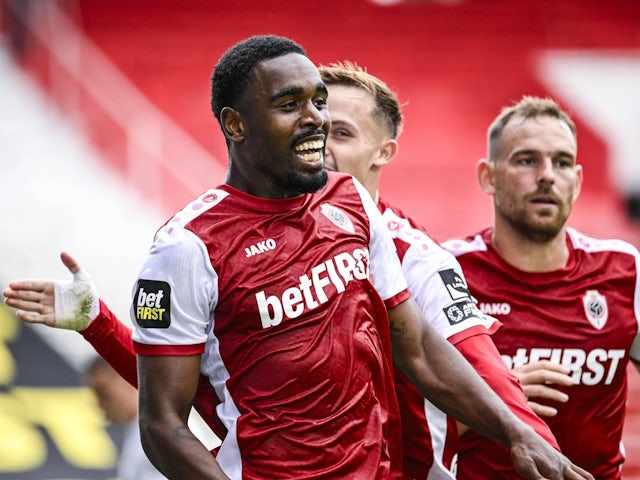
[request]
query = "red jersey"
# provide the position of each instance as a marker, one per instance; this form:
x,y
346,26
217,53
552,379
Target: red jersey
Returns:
x,y
438,285
584,316
286,301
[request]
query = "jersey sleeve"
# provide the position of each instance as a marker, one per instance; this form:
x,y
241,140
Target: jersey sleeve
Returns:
x,y
111,339
174,296
482,354
386,271
438,286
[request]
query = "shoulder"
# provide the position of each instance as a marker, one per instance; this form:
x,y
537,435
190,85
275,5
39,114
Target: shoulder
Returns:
x,y
347,193
344,190
338,181
412,240
180,239
589,244
470,244
397,221
208,200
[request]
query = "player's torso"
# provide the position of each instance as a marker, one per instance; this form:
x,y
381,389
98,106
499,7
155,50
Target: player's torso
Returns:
x,y
430,438
582,317
299,328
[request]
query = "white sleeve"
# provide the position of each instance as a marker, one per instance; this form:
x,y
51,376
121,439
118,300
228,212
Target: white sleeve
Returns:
x,y
176,291
438,286
386,271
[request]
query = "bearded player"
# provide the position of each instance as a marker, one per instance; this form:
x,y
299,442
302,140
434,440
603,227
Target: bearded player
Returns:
x,y
569,303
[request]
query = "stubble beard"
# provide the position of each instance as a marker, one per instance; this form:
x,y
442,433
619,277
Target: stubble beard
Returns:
x,y
308,183
536,228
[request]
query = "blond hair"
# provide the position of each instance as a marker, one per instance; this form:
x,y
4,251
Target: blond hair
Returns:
x,y
352,75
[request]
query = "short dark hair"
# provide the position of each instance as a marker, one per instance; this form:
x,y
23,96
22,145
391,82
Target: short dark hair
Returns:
x,y
232,74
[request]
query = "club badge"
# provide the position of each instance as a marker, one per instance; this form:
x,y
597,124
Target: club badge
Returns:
x,y
337,217
595,308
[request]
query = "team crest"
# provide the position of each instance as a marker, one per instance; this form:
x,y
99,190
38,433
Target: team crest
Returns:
x,y
595,308
337,217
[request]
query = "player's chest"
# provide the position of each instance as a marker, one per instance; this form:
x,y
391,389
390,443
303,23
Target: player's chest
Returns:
x,y
301,258
586,326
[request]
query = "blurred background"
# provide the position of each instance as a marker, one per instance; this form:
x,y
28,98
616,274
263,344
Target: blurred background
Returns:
x,y
106,130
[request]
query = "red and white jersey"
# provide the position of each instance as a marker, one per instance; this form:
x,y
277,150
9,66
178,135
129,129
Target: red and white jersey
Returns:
x,y
584,316
286,301
438,286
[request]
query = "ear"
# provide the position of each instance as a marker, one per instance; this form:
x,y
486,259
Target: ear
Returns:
x,y
232,125
388,150
485,175
578,182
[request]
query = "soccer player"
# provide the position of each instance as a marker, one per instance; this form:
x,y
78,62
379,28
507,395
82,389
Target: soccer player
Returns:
x,y
569,303
366,121
283,288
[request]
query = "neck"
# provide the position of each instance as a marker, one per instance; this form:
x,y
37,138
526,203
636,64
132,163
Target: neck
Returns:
x,y
527,255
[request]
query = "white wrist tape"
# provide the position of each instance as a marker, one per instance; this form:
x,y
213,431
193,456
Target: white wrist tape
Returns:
x,y
76,302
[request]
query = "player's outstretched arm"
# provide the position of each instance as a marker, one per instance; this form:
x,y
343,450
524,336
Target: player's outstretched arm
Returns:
x,y
74,305
442,374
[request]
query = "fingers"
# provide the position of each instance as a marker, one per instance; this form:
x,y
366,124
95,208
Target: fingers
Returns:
x,y
31,295
555,466
23,295
578,473
29,300
546,377
543,365
32,306
544,372
536,379
70,262
32,317
17,286
546,392
543,410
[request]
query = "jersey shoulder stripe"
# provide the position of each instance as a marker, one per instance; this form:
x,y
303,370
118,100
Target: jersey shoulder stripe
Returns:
x,y
197,207
461,246
580,241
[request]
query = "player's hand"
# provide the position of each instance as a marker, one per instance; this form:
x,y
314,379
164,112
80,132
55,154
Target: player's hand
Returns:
x,y
536,380
535,459
70,304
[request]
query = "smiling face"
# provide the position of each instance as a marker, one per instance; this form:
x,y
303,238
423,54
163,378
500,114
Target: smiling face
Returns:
x,y
358,143
534,179
278,130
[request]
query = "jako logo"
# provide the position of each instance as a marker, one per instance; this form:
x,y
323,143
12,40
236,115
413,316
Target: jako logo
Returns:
x,y
260,247
495,308
309,292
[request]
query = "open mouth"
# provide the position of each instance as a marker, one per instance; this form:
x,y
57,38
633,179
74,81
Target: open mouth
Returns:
x,y
544,201
310,151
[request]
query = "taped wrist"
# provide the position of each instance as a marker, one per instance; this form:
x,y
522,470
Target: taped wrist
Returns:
x,y
76,302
